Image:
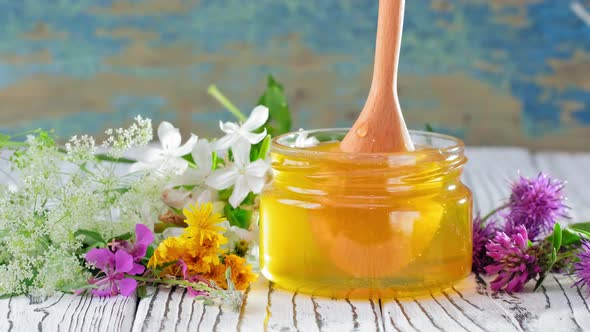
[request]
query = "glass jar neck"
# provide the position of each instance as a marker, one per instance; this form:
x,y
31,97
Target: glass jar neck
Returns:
x,y
333,173
437,162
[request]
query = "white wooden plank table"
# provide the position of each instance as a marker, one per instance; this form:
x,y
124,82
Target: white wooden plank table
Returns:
x,y
469,306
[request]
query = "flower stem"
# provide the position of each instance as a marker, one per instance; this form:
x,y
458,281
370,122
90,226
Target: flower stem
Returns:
x,y
13,144
215,93
496,210
166,281
104,157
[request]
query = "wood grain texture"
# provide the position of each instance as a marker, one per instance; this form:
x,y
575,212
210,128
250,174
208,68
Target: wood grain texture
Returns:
x,y
65,312
266,308
469,306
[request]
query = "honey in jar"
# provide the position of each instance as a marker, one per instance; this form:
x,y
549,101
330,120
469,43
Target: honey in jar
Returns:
x,y
365,225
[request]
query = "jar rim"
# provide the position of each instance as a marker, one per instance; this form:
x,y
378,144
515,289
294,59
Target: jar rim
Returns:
x,y
455,145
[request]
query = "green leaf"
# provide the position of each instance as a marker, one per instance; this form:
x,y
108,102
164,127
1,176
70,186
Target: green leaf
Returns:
x,y
90,237
238,217
260,150
582,227
149,252
264,147
570,237
249,200
122,237
189,158
543,274
216,161
208,302
428,128
225,193
91,246
142,292
279,120
557,237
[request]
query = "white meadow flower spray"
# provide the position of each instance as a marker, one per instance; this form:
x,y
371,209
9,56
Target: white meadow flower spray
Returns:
x,y
69,214
59,191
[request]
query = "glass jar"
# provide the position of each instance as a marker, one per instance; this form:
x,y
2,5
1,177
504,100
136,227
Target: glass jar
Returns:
x,y
365,225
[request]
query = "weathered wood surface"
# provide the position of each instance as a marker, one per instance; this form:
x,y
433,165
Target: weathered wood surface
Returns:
x,y
64,312
469,306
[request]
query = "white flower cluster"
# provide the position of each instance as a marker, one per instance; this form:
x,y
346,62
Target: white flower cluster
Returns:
x,y
81,148
53,194
121,140
223,165
238,172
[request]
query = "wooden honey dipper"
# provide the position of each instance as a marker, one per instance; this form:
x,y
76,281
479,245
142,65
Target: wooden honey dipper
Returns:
x,y
380,128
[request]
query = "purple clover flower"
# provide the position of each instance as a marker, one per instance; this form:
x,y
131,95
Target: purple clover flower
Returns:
x,y
482,234
535,204
513,261
111,280
582,266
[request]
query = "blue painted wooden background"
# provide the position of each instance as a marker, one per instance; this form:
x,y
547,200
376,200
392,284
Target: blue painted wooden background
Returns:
x,y
513,72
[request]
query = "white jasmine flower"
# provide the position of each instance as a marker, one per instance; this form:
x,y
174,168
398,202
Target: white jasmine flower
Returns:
x,y
181,198
303,141
236,133
235,234
203,157
169,156
210,196
176,198
244,175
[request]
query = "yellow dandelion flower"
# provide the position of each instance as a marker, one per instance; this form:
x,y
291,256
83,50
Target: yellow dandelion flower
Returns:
x,y
202,222
199,246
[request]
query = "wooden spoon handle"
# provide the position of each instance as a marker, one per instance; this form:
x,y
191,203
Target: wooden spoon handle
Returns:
x,y
388,44
380,128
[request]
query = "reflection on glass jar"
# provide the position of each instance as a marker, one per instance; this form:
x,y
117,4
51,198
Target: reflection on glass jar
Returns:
x,y
360,225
